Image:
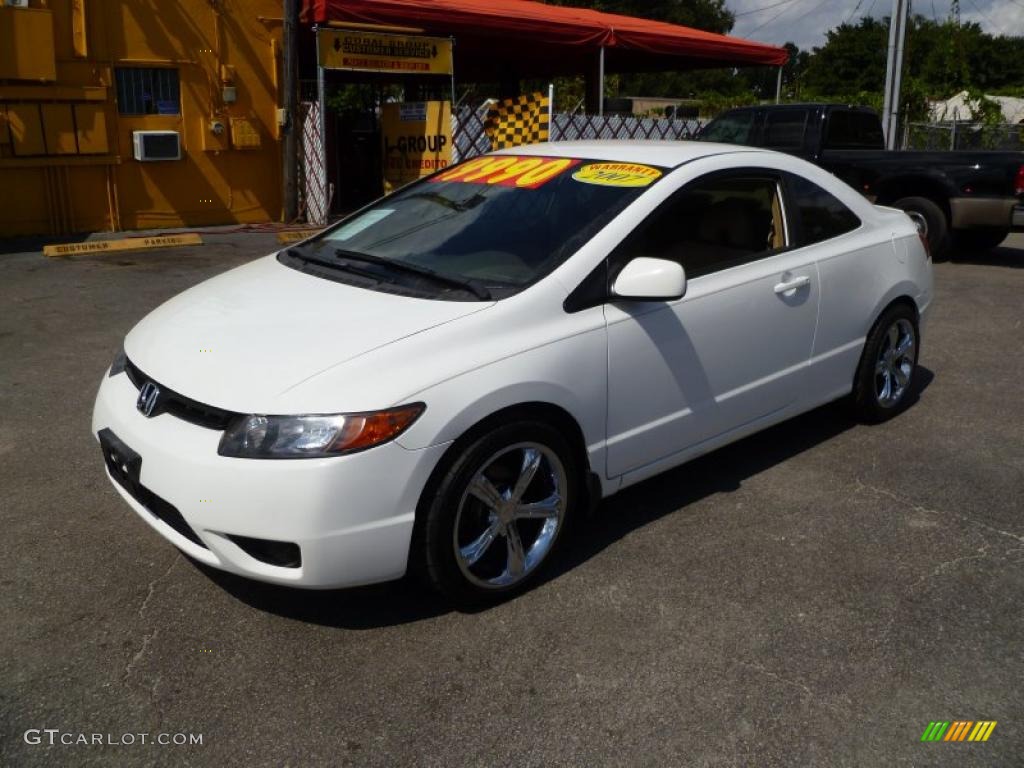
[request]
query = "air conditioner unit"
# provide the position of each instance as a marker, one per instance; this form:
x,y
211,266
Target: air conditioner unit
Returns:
x,y
151,146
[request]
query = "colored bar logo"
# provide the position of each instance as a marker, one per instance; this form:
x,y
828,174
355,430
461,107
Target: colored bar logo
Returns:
x,y
958,730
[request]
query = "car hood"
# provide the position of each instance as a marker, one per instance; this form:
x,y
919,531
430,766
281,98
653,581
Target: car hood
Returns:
x,y
241,339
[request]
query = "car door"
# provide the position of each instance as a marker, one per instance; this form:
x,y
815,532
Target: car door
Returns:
x,y
732,350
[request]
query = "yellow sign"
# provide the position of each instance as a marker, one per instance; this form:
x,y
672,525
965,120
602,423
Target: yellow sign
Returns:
x,y
617,174
126,244
371,52
417,139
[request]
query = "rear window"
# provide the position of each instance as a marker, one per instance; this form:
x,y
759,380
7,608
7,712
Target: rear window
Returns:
x,y
784,129
503,221
730,128
848,129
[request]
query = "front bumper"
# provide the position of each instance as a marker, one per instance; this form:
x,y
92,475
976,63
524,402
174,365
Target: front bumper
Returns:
x,y
351,516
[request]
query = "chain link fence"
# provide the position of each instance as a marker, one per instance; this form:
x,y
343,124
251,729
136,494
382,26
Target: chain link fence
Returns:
x,y
470,140
957,135
314,192
468,137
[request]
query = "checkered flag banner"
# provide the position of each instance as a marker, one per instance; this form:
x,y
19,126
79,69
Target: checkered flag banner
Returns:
x,y
522,120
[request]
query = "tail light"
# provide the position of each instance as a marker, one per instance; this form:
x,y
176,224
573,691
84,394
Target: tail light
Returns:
x,y
1018,182
922,230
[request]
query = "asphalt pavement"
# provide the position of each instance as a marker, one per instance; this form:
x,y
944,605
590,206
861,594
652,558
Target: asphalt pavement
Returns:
x,y
813,595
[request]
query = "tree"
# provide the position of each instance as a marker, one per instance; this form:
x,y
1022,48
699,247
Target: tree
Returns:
x,y
941,58
852,59
794,71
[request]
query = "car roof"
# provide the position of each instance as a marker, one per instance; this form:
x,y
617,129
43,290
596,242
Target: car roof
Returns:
x,y
667,154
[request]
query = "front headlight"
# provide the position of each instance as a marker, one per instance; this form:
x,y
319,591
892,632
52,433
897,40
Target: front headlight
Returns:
x,y
302,437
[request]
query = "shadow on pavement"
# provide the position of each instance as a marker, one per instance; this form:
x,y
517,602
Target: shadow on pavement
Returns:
x,y
1003,256
721,471
35,243
379,605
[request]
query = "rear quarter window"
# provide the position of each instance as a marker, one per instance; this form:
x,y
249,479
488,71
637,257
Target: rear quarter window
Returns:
x,y
821,214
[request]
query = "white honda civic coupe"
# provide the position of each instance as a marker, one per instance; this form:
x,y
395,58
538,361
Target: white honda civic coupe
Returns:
x,y
445,379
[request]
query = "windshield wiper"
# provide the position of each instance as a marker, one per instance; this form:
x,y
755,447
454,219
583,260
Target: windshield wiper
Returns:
x,y
334,264
466,205
473,286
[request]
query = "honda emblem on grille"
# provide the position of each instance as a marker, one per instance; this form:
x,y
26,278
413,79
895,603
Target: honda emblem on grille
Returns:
x,y
148,396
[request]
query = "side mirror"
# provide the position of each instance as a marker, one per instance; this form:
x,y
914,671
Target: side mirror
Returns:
x,y
647,279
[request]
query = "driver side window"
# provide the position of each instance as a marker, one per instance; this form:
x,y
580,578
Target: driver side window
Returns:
x,y
714,224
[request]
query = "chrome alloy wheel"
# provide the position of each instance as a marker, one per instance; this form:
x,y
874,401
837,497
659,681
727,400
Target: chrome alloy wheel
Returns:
x,y
510,515
895,363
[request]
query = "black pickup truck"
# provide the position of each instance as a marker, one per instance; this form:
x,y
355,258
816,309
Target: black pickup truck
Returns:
x,y
971,198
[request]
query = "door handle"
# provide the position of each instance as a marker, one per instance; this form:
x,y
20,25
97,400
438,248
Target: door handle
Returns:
x,y
791,285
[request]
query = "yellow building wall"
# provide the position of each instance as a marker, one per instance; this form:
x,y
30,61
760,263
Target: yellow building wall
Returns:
x,y
66,153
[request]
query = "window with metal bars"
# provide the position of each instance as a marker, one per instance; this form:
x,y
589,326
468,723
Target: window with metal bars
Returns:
x,y
148,91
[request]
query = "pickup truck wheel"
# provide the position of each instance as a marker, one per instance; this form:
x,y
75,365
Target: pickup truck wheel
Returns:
x,y
979,240
938,227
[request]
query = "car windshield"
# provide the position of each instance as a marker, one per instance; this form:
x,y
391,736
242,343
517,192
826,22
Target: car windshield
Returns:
x,y
486,228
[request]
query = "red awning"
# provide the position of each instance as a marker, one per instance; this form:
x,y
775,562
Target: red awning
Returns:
x,y
533,38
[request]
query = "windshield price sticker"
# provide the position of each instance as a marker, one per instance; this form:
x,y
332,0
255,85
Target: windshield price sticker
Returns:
x,y
617,174
509,170
354,227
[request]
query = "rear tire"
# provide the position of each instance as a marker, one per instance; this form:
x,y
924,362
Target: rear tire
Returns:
x,y
500,513
979,240
886,374
938,226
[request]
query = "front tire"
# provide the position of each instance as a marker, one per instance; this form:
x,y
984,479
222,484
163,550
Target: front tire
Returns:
x,y
500,513
938,225
888,364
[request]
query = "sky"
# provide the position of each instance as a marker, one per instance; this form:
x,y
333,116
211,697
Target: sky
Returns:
x,y
805,22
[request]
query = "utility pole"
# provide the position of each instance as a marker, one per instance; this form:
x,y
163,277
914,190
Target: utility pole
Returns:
x,y
289,84
894,71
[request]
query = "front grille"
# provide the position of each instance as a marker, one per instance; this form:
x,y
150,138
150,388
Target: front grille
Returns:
x,y
176,404
125,466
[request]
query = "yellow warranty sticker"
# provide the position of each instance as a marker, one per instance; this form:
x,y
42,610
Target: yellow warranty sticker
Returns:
x,y
617,174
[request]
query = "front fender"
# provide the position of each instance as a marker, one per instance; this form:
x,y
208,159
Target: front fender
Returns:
x,y
570,373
